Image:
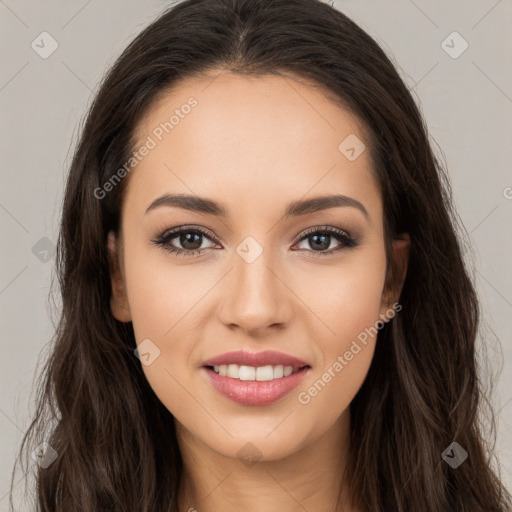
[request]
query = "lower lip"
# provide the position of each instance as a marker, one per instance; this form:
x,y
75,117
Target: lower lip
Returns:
x,y
249,392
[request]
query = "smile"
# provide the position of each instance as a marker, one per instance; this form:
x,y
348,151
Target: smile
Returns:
x,y
258,373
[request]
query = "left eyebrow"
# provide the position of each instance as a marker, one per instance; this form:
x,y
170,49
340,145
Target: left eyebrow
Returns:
x,y
320,203
294,209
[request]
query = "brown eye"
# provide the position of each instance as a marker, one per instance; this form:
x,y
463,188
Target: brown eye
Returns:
x,y
187,241
190,240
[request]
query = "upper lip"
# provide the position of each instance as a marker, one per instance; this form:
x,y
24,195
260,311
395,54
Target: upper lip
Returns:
x,y
265,358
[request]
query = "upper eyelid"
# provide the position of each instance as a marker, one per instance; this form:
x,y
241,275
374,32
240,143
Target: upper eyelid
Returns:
x,y
173,232
330,229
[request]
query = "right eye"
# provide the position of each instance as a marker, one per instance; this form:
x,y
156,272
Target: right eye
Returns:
x,y
190,239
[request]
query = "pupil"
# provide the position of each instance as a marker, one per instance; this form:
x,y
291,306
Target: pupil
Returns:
x,y
323,244
188,238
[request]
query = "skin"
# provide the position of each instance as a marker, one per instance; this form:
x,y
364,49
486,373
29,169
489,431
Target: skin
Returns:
x,y
254,145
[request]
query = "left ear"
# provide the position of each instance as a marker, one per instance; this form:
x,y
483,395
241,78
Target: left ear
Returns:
x,y
396,272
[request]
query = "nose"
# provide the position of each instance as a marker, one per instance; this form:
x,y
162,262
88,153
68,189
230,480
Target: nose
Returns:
x,y
256,297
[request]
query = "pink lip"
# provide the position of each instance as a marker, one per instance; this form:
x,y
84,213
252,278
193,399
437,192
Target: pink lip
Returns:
x,y
248,392
267,357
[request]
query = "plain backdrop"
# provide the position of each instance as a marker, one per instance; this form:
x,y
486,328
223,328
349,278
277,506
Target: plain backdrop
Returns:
x,y
465,94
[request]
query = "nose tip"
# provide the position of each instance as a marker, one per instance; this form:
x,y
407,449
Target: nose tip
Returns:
x,y
254,297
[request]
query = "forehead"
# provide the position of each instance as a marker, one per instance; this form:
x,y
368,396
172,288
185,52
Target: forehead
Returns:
x,y
267,139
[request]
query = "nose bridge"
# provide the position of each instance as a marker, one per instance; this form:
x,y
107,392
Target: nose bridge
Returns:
x,y
256,297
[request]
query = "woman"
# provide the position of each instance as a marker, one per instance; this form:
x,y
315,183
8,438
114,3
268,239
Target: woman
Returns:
x,y
265,304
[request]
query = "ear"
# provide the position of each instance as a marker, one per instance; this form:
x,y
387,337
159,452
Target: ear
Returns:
x,y
396,272
118,299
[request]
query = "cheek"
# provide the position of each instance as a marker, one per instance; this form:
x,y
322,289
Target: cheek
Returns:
x,y
345,296
348,310
167,305
330,390
162,295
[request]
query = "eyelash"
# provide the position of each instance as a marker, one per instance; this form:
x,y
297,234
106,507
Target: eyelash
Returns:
x,y
164,239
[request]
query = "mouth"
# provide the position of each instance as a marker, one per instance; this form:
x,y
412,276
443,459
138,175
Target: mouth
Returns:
x,y
255,378
255,373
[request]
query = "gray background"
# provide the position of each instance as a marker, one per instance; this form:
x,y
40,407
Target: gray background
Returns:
x,y
467,102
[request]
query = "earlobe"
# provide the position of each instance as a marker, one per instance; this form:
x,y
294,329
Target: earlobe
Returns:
x,y
118,299
398,270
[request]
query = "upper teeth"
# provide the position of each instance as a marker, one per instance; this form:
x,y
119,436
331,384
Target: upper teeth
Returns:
x,y
269,372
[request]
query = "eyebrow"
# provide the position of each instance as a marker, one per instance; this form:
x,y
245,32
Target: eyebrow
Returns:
x,y
294,209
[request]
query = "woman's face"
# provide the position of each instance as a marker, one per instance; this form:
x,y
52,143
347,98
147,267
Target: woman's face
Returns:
x,y
290,259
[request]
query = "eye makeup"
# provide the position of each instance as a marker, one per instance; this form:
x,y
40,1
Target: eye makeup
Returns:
x,y
194,235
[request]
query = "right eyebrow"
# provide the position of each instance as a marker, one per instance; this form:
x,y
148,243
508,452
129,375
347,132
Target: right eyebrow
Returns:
x,y
188,202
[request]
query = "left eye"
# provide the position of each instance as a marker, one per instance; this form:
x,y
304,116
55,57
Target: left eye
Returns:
x,y
320,239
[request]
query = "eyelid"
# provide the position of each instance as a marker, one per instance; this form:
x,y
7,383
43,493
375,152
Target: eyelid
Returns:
x,y
328,228
188,227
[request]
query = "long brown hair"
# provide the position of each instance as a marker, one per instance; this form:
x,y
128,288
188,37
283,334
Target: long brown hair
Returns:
x,y
115,442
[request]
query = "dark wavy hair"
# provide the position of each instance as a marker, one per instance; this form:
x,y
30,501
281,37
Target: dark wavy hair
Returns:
x,y
115,441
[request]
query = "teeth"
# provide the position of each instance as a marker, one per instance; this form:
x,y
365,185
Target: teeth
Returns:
x,y
279,371
260,373
245,373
